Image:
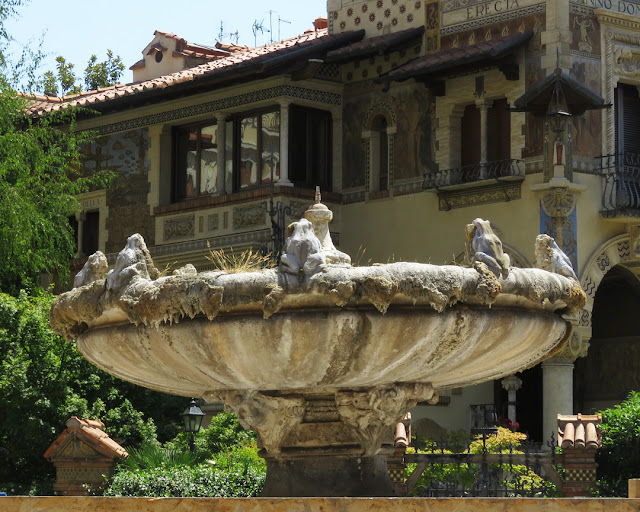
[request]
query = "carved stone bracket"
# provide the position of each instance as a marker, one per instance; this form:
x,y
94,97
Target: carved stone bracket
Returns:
x,y
371,413
271,417
575,347
559,202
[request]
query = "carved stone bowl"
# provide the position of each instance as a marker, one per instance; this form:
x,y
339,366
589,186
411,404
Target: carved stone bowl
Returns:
x,y
318,357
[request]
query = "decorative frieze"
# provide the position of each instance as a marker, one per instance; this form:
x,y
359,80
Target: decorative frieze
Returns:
x,y
213,222
249,216
506,191
290,91
182,227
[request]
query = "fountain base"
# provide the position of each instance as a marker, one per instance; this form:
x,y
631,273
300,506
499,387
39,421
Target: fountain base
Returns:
x,y
328,476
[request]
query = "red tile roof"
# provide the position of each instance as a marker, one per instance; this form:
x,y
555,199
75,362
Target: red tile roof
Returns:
x,y
463,57
581,431
253,60
376,45
92,433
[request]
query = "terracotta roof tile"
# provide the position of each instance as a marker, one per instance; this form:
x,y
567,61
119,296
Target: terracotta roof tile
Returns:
x,y
91,432
374,45
455,57
239,59
581,431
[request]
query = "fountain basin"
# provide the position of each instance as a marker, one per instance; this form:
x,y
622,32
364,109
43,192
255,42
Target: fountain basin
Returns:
x,y
326,349
318,357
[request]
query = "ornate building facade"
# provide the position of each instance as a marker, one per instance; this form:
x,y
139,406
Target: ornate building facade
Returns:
x,y
412,116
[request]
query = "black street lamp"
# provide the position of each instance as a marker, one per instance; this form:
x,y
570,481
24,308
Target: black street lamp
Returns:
x,y
192,416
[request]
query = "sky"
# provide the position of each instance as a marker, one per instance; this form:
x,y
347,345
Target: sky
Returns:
x,y
76,29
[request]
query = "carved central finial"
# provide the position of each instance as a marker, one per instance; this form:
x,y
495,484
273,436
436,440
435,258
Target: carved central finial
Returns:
x,y
318,196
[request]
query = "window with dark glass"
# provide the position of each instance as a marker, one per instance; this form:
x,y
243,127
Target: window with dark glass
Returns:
x,y
196,169
310,147
258,149
627,118
252,152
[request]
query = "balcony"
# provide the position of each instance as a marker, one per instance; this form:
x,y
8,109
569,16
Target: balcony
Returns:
x,y
621,186
482,183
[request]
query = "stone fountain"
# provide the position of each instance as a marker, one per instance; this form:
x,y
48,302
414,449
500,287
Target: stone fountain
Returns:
x,y
320,357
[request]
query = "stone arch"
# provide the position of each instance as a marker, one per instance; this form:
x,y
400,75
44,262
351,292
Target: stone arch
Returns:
x,y
374,137
383,109
612,252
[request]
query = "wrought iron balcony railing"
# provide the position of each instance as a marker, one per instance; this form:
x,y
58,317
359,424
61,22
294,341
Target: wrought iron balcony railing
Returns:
x,y
495,170
621,183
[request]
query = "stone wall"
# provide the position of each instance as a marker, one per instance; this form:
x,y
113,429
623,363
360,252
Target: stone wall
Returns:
x,y
77,504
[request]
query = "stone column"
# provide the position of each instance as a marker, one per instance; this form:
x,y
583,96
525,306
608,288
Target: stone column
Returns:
x,y
455,139
557,384
484,106
80,217
220,162
511,384
284,144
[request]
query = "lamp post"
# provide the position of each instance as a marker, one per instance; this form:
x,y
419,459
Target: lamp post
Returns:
x,y
192,417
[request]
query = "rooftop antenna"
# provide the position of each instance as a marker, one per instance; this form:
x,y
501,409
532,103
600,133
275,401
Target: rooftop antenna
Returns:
x,y
280,20
270,27
257,27
233,36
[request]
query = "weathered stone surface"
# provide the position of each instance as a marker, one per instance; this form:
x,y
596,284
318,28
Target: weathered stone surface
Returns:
x,y
318,357
78,504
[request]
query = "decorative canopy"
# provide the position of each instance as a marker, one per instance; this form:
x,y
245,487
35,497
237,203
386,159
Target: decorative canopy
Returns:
x,y
559,91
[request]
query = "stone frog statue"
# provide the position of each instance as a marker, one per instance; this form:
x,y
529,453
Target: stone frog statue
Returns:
x,y
302,251
487,247
550,257
133,260
94,269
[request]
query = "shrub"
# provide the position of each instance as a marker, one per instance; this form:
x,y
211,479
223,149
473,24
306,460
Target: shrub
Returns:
x,y
239,473
619,458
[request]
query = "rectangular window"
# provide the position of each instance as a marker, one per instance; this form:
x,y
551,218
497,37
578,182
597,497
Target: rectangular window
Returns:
x,y
258,160
196,161
310,147
252,152
627,118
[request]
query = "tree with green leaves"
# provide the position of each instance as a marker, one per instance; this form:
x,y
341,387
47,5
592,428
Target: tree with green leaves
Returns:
x,y
97,74
39,181
619,457
44,381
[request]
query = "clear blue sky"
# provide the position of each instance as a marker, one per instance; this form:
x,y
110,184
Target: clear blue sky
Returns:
x,y
76,29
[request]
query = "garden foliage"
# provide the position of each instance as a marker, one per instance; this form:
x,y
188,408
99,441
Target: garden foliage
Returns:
x,y
619,458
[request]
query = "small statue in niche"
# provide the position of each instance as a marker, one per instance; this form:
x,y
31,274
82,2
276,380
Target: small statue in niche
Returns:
x,y
303,253
550,257
487,247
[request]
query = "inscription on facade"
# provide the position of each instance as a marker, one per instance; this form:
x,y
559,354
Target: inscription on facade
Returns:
x,y
489,8
620,6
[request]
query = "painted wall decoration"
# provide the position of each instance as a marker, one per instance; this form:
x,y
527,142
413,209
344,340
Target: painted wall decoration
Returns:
x,y
587,127
125,153
534,125
377,17
563,228
414,141
509,27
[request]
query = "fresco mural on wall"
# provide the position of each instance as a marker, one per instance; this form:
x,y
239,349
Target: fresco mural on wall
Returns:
x,y
414,141
507,28
587,127
564,231
534,125
353,165
124,153
414,111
